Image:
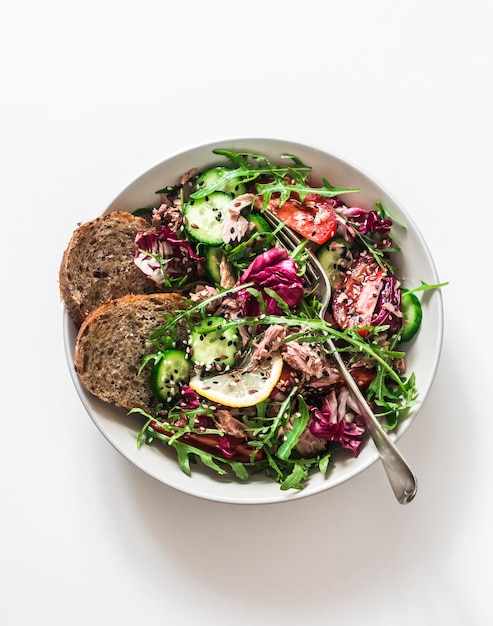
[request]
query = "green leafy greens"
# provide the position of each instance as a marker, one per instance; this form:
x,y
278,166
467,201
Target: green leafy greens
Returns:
x,y
252,167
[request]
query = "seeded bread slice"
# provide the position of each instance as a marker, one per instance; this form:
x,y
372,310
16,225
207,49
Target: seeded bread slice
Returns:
x,y
98,264
112,342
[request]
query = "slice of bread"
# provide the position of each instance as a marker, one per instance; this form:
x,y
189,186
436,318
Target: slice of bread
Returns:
x,y
113,341
98,264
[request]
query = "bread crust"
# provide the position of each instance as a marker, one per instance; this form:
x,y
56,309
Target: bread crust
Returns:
x,y
113,341
98,264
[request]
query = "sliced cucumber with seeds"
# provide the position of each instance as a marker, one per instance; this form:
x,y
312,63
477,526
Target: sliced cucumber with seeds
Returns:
x,y
169,373
204,217
260,223
213,175
212,257
412,314
330,256
210,346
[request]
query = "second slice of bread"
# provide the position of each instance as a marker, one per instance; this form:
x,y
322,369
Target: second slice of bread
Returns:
x,y
112,343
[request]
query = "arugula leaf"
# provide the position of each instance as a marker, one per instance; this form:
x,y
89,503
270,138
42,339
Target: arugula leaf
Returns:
x,y
280,302
183,454
264,428
296,478
323,463
239,470
266,190
426,287
200,307
280,177
300,422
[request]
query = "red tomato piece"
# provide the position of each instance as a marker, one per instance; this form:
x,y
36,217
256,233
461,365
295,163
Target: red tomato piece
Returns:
x,y
285,384
314,218
356,297
210,443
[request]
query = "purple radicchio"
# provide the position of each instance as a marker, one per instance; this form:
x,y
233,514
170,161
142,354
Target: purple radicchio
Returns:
x,y
367,221
388,307
189,398
330,422
274,269
164,249
225,447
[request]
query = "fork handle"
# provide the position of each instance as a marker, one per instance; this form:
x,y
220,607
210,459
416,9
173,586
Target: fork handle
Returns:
x,y
402,479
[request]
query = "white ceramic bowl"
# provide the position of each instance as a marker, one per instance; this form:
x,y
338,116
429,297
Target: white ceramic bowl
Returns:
x,y
416,265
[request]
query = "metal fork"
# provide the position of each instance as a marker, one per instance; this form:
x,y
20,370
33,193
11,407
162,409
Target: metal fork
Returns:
x,y
402,479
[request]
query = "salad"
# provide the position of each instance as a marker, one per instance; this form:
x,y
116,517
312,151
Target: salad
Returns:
x,y
243,379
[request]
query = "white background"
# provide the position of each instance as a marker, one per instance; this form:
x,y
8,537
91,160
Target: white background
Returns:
x,y
94,93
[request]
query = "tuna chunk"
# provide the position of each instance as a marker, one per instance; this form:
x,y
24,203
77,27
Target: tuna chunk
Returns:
x,y
270,342
229,424
306,358
235,226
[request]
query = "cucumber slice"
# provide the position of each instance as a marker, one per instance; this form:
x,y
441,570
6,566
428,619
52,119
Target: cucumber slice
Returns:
x,y
412,314
212,257
167,374
212,176
209,347
205,217
260,223
330,256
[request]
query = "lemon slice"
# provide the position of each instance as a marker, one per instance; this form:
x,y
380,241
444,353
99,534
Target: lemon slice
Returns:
x,y
240,388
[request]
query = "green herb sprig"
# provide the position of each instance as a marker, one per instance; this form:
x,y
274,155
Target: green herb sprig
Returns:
x,y
282,180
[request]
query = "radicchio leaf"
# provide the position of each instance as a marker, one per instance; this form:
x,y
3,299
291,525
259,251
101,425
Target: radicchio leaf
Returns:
x,y
326,424
388,308
189,398
367,221
164,249
274,269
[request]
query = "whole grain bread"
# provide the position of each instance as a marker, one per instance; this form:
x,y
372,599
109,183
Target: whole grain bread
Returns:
x,y
113,341
98,264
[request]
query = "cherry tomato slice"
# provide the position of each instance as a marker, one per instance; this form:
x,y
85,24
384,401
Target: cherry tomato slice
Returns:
x,y
314,218
356,297
210,443
285,384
